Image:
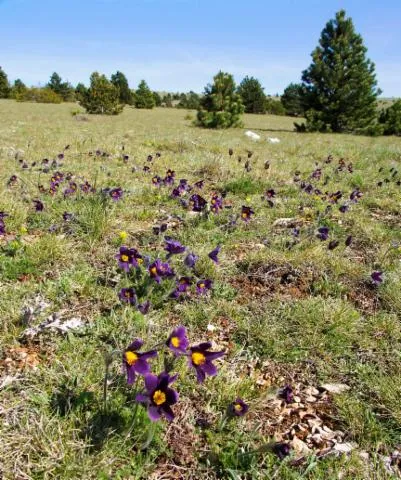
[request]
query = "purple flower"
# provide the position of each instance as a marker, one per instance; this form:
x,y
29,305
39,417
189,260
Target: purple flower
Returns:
x,y
144,307
3,215
190,260
157,181
13,180
282,450
201,359
183,284
377,277
128,295
216,204
135,362
203,286
287,394
177,342
246,213
39,207
213,254
348,241
333,244
159,270
344,208
197,203
323,233
126,258
159,396
116,193
239,407
169,179
199,184
67,217
173,247
270,193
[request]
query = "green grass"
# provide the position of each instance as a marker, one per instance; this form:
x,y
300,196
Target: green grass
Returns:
x,y
285,310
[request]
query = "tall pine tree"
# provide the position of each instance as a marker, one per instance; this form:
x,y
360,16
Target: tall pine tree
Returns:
x,y
102,97
120,81
4,85
340,84
221,106
253,96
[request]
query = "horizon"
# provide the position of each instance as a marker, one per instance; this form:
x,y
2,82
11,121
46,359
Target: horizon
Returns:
x,y
178,46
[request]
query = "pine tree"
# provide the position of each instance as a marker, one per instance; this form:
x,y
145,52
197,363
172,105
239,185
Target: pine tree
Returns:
x,y
158,99
80,91
64,89
341,87
18,88
102,97
4,85
168,100
252,95
221,106
390,118
143,96
120,81
293,100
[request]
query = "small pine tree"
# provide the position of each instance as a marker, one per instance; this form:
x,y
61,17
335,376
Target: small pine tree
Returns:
x,y
120,81
80,91
341,87
158,99
221,106
18,88
64,89
390,119
102,97
253,96
4,85
293,100
143,96
168,100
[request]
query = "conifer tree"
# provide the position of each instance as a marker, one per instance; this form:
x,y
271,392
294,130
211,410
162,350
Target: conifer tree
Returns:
x,y
340,84
120,81
102,97
18,88
221,106
144,97
390,118
64,89
4,85
293,100
253,97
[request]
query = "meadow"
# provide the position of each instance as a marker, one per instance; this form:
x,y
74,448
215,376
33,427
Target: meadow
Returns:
x,y
304,299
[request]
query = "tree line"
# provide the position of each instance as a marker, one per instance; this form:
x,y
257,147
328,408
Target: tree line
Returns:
x,y
338,92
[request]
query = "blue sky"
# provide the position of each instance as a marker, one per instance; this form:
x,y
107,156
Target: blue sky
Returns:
x,y
178,45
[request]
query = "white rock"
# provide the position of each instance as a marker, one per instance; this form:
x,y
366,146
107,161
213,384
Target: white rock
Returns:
x,y
336,387
252,135
273,140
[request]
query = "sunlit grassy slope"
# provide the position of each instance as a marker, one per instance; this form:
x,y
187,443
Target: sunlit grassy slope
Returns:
x,y
286,309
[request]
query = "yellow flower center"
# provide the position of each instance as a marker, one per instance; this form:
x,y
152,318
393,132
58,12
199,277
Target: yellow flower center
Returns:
x,y
139,260
124,258
175,342
198,358
202,285
159,397
238,407
244,215
153,270
131,357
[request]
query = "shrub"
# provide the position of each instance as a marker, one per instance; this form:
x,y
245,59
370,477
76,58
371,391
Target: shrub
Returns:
x,y
102,97
390,119
18,88
221,106
38,95
274,107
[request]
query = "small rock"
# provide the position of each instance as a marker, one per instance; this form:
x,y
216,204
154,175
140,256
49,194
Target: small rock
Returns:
x,y
335,387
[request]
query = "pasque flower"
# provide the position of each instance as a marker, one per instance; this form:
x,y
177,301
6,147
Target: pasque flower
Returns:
x,y
159,270
246,213
159,397
213,254
173,247
200,358
136,362
203,286
239,407
177,342
128,295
